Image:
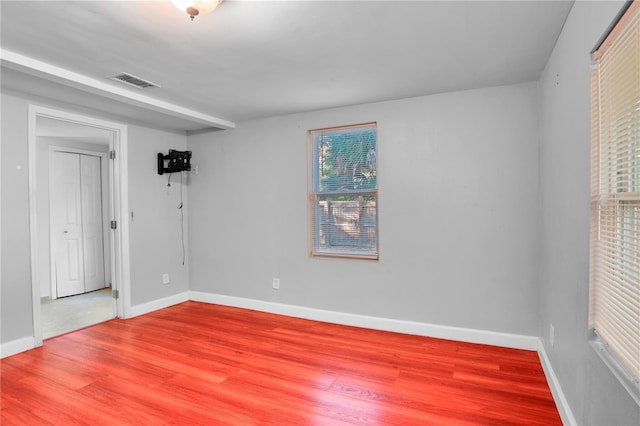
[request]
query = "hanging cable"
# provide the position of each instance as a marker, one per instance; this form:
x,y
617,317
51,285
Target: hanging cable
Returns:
x,y
180,205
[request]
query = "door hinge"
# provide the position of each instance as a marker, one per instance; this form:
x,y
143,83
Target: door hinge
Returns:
x,y
114,224
116,294
112,155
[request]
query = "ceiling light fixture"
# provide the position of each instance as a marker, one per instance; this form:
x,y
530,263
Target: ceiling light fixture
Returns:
x,y
196,7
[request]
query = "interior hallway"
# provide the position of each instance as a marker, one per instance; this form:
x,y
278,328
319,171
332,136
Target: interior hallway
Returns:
x,y
66,314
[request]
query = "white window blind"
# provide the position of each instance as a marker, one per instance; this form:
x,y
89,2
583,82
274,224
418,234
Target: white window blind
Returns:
x,y
614,311
344,191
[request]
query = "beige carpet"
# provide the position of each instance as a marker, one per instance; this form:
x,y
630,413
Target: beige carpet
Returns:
x,y
71,313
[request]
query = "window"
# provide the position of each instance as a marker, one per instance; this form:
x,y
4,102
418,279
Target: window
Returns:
x,y
344,191
614,311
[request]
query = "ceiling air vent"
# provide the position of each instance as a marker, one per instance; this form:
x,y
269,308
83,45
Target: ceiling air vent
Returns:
x,y
132,80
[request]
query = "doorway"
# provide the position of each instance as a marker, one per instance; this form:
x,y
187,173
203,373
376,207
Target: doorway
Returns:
x,y
90,257
78,211
79,292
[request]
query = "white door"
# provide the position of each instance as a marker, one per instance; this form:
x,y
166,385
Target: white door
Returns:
x,y
66,219
91,184
76,223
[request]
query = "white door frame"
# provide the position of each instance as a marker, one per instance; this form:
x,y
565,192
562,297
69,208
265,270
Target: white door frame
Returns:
x,y
118,193
106,211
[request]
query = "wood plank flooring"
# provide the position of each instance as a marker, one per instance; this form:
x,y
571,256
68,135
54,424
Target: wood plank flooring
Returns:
x,y
197,363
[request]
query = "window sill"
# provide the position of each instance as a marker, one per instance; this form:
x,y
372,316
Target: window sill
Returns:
x,y
344,255
632,386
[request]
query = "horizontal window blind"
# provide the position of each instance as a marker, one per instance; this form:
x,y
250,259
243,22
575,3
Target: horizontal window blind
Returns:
x,y
344,191
614,311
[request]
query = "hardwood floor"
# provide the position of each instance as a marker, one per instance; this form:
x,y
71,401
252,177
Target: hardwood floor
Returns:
x,y
196,363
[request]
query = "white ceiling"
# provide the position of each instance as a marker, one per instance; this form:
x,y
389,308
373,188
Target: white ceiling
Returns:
x,y
253,59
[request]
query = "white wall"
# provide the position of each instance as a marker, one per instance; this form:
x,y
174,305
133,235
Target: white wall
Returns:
x,y
155,231
154,244
594,394
16,320
458,182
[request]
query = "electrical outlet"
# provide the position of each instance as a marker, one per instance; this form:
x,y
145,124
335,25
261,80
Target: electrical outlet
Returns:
x,y
552,332
165,278
276,283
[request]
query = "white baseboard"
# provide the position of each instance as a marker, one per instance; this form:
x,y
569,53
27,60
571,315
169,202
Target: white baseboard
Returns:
x,y
516,341
16,346
155,305
556,390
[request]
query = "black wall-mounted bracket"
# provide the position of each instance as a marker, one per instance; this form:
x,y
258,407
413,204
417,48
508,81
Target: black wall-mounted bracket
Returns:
x,y
177,161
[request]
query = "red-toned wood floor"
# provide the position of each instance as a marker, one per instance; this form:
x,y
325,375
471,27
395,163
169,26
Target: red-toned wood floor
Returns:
x,y
196,363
